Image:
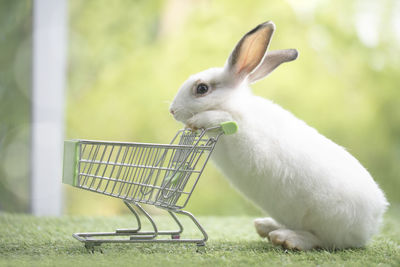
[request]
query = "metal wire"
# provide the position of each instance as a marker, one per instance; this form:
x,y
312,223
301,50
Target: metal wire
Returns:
x,y
163,175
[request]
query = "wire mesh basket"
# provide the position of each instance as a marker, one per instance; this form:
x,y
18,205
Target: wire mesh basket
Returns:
x,y
162,175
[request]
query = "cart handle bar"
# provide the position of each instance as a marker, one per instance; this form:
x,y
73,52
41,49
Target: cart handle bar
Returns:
x,y
227,127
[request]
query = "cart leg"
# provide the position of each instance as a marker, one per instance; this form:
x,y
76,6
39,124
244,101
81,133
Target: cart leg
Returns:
x,y
176,235
147,235
128,231
200,243
95,239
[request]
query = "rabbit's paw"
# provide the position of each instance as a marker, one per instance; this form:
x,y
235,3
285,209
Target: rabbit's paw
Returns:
x,y
294,240
207,119
198,121
266,225
193,124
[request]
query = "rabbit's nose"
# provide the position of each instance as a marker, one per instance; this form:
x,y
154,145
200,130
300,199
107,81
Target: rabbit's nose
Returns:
x,y
171,111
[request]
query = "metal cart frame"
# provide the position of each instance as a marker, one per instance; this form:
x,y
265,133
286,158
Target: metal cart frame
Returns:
x,y
162,175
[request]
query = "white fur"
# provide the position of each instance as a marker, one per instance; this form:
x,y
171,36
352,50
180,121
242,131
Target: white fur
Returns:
x,y
319,194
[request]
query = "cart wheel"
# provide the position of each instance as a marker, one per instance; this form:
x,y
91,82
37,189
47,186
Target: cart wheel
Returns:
x,y
201,248
175,237
90,247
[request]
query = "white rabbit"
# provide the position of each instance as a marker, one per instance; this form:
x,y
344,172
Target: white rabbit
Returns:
x,y
318,195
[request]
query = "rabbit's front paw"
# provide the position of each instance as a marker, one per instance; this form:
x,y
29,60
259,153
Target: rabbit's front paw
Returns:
x,y
207,119
199,121
193,124
294,240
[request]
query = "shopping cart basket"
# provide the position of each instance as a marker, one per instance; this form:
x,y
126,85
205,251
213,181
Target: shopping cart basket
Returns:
x,y
162,175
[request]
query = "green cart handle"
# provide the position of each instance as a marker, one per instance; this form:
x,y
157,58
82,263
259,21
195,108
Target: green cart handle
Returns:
x,y
229,127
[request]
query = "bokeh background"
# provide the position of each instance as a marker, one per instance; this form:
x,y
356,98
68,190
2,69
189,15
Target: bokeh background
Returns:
x,y
127,59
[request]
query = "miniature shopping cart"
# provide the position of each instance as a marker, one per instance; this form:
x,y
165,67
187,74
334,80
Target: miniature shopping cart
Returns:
x,y
162,175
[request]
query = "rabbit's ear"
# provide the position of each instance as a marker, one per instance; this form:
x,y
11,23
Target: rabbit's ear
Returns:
x,y
272,60
249,52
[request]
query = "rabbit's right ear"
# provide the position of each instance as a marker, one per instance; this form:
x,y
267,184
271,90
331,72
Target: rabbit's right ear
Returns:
x,y
271,61
249,52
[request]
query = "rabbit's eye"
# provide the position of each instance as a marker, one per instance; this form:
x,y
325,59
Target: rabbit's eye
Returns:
x,y
202,89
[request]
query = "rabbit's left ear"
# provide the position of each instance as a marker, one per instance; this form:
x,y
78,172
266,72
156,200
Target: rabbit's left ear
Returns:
x,y
271,61
249,52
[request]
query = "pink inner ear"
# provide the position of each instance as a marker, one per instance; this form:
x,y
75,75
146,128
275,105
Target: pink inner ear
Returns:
x,y
245,56
252,51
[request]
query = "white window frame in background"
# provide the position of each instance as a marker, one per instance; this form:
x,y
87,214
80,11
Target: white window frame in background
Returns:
x,y
49,76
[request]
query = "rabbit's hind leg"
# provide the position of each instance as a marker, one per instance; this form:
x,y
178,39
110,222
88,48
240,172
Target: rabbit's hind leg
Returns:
x,y
294,240
266,225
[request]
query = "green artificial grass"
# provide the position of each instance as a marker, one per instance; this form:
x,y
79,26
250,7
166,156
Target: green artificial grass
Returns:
x,y
34,241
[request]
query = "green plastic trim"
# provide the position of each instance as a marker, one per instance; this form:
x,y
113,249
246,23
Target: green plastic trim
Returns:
x,y
70,162
178,175
229,127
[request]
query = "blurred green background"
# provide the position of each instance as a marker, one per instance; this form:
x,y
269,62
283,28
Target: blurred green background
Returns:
x,y
15,98
127,60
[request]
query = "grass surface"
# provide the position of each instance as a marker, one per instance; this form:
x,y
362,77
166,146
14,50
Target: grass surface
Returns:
x,y
28,240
